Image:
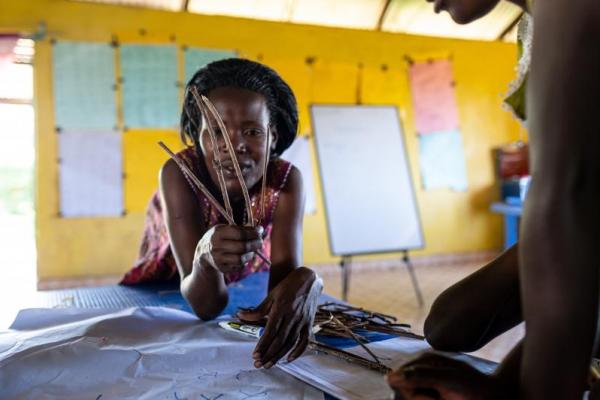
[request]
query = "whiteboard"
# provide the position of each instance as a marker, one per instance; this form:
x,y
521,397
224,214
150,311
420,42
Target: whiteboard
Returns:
x,y
299,155
366,181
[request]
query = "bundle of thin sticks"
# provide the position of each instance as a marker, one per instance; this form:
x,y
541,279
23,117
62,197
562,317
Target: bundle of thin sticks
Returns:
x,y
207,109
345,321
336,319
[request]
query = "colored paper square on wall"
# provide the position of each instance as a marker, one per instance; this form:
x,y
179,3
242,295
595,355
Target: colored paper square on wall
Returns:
x,y
196,58
143,159
90,174
84,81
434,100
150,89
442,161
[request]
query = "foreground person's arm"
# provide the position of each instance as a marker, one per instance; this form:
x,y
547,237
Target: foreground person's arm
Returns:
x,y
561,224
478,308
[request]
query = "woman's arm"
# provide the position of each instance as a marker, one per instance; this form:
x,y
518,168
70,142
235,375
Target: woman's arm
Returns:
x,y
286,237
293,290
202,255
561,224
203,286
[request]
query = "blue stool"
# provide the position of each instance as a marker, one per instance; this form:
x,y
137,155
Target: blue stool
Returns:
x,y
512,209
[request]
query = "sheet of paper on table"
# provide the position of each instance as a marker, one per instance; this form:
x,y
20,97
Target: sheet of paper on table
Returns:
x,y
347,381
137,353
153,352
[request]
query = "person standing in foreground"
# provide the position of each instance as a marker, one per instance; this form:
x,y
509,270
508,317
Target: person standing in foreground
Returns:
x,y
552,276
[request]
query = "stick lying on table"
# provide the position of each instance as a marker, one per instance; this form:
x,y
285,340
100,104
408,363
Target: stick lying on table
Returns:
x,y
184,168
340,320
347,356
334,319
356,338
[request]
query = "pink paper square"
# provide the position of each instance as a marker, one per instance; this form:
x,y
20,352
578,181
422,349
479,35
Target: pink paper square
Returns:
x,y
434,100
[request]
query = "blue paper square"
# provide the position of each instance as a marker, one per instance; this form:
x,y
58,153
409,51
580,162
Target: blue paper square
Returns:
x,y
196,58
442,161
150,90
84,80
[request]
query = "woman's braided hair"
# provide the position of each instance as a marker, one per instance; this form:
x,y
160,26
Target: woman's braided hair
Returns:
x,y
249,75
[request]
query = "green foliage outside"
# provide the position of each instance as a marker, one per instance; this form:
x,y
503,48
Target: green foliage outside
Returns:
x,y
16,190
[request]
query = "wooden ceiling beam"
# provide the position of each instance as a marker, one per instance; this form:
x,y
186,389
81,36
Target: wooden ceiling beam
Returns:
x,y
510,27
384,11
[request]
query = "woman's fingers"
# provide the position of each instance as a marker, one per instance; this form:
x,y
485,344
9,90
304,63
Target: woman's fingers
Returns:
x,y
228,248
301,344
246,257
236,239
269,335
229,262
236,246
257,314
283,343
238,233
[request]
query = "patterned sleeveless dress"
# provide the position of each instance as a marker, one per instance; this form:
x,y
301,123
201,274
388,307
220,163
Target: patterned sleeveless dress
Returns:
x,y
156,262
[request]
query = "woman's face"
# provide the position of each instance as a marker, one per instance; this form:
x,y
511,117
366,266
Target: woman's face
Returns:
x,y
246,118
464,11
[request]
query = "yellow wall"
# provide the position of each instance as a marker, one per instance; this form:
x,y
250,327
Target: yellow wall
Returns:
x,y
453,222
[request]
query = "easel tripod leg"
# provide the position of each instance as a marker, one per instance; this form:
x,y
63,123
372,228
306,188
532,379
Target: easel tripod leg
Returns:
x,y
345,266
413,278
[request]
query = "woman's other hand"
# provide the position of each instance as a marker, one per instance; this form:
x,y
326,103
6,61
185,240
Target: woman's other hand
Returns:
x,y
290,310
228,248
433,376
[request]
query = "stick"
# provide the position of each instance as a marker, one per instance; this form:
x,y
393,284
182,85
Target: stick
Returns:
x,y
263,257
347,356
236,164
355,317
206,193
356,339
263,188
198,184
215,145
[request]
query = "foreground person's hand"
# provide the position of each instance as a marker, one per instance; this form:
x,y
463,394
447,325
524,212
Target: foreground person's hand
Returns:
x,y
436,377
290,311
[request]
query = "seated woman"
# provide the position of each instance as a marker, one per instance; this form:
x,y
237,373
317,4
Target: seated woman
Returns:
x,y
186,239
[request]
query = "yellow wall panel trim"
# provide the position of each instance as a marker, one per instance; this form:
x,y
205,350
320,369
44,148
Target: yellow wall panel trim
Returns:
x,y
142,160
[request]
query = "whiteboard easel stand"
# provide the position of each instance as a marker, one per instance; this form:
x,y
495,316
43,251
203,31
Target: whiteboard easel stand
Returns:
x,y
346,264
413,277
365,143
